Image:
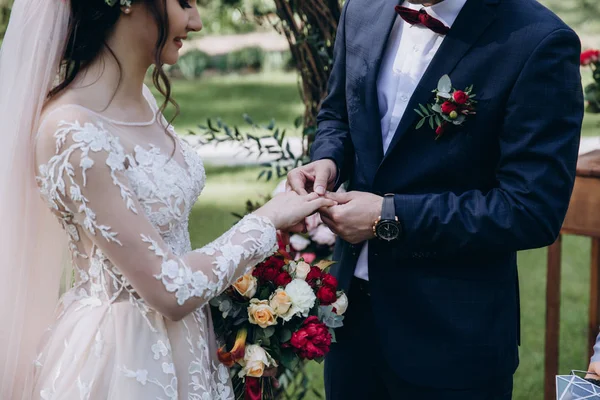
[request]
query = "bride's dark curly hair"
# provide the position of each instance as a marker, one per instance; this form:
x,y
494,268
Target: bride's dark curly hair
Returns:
x,y
90,24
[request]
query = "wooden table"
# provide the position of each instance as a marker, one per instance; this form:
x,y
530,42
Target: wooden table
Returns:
x,y
583,218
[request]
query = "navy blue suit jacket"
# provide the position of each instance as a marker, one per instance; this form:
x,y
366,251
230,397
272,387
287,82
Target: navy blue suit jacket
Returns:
x,y
445,295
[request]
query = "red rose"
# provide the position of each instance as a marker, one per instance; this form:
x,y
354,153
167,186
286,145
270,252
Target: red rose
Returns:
x,y
329,280
440,129
312,340
326,295
313,276
460,97
448,107
589,56
269,269
283,279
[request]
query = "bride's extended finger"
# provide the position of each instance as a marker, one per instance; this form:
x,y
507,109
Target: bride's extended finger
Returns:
x,y
298,228
321,202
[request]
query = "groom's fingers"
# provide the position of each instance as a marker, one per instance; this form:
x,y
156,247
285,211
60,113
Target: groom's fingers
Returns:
x,y
297,182
341,198
321,179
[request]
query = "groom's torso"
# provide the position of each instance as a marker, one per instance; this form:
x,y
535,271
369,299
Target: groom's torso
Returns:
x,y
460,310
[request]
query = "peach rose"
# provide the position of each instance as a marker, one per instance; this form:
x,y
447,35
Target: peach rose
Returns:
x,y
246,286
281,303
260,313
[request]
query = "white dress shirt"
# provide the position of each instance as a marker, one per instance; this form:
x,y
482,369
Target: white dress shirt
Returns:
x,y
408,53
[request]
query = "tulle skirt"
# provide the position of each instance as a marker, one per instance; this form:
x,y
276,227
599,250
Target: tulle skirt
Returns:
x,y
115,351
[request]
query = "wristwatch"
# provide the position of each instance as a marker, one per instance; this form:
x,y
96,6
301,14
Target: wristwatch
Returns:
x,y
387,227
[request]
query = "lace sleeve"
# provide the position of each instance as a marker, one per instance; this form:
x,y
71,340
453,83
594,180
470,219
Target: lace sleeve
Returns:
x,y
82,173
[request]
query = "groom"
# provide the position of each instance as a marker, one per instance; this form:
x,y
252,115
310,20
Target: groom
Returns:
x,y
431,224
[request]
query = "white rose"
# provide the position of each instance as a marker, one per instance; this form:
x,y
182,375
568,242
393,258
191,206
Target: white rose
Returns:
x,y
255,361
302,270
299,242
341,304
246,286
302,295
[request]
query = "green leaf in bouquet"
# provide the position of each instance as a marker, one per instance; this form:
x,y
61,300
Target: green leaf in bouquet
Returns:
x,y
437,108
438,120
240,319
319,359
216,301
431,122
289,359
264,292
444,84
420,124
422,107
444,95
285,335
333,338
269,331
329,318
459,120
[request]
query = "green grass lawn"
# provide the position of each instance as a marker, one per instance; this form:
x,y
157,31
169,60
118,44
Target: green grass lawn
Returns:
x,y
229,97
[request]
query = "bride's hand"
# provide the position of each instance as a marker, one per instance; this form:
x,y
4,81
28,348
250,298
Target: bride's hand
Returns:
x,y
289,209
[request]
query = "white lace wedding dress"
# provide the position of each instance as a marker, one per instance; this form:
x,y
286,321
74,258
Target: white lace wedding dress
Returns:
x,y
124,204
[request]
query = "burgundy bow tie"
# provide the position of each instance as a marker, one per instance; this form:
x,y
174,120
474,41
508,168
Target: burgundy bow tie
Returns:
x,y
421,17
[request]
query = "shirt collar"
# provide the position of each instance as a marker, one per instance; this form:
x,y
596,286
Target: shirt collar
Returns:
x,y
446,11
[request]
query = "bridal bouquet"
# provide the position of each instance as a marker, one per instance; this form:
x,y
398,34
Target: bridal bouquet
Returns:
x,y
283,312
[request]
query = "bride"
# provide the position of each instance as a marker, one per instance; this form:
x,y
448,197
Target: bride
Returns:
x,y
135,324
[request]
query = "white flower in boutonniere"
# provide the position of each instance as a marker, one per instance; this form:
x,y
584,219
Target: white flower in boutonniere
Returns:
x,y
451,107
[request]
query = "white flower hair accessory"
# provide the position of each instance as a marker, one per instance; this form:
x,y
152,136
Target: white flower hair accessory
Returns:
x,y
126,3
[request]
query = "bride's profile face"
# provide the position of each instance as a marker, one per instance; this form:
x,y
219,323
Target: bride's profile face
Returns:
x,y
183,17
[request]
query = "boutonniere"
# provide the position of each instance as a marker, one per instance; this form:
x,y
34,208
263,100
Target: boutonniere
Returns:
x,y
451,107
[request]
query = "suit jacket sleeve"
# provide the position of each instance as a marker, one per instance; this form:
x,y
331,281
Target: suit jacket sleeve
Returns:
x,y
539,145
332,139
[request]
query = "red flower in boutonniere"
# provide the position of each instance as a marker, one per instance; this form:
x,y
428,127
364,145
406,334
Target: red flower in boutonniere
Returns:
x,y
451,107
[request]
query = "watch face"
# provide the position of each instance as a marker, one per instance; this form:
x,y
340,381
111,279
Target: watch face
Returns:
x,y
388,230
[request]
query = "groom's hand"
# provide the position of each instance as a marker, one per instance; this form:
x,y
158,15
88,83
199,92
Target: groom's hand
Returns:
x,y
318,176
354,216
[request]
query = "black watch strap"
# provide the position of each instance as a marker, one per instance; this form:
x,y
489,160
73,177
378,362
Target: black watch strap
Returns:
x,y
388,210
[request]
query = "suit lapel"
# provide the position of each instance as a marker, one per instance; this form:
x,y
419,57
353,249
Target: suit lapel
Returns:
x,y
383,18
472,21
